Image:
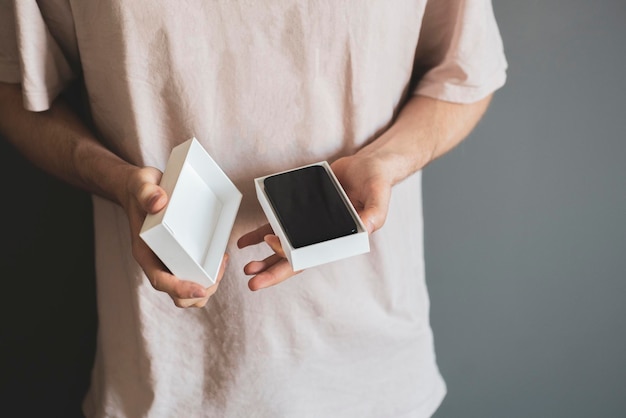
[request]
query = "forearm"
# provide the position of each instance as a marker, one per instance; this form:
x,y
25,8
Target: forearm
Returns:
x,y
58,142
425,130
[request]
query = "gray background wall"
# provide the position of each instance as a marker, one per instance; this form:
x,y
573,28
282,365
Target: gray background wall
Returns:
x,y
526,225
525,241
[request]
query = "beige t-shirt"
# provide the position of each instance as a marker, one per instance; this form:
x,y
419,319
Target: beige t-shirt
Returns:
x,y
265,86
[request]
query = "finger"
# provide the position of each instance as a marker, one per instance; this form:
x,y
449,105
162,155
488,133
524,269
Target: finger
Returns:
x,y
210,291
274,275
254,237
151,197
164,281
274,242
375,207
149,262
256,267
145,187
189,303
200,304
179,288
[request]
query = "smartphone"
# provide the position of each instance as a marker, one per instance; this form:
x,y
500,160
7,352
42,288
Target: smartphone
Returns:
x,y
309,206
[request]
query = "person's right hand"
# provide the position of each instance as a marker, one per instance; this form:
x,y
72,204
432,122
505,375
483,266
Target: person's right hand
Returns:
x,y
143,195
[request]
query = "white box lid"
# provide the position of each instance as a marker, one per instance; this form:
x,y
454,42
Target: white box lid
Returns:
x,y
191,233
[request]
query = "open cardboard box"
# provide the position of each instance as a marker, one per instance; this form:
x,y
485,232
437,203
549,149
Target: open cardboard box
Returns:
x,y
191,233
302,257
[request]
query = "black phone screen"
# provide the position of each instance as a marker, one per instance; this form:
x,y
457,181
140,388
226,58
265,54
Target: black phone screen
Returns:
x,y
309,206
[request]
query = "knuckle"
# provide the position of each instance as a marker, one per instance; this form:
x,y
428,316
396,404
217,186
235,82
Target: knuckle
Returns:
x,y
143,189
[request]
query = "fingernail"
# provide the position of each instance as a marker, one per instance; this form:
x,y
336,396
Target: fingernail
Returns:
x,y
198,294
155,198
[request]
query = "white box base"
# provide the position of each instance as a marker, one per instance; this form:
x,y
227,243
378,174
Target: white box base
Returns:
x,y
323,252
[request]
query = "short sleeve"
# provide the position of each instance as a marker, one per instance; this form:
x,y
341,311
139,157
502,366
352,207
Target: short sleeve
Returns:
x,y
29,55
459,56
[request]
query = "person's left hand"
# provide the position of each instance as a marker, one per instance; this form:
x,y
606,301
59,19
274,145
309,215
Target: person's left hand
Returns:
x,y
367,183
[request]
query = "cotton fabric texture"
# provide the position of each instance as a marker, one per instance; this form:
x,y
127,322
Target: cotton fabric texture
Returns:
x,y
264,86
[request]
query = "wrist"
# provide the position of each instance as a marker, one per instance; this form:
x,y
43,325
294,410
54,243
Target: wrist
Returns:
x,y
397,155
102,172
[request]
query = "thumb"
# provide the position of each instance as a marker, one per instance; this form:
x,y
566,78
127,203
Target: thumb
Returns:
x,y
274,242
375,208
150,196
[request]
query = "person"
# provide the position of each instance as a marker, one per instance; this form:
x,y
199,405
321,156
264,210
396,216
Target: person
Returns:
x,y
378,89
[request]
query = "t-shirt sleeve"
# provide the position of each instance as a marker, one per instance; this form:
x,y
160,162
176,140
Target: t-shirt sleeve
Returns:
x,y
459,56
29,55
